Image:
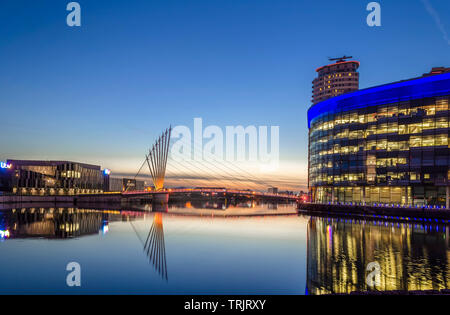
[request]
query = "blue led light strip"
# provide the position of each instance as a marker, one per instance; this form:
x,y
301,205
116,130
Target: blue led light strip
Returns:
x,y
432,86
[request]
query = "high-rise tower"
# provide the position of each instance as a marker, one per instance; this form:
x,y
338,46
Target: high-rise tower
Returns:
x,y
335,79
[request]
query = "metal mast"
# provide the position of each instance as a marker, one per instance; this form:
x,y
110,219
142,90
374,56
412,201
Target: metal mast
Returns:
x,y
157,159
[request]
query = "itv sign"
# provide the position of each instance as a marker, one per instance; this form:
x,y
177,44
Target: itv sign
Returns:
x,y
5,165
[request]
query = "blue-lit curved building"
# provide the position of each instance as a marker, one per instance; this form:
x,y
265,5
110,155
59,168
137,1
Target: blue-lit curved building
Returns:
x,y
383,145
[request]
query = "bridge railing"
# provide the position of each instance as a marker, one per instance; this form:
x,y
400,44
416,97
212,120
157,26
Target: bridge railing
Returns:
x,y
212,190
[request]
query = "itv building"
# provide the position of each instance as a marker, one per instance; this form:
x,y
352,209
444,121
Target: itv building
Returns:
x,y
383,145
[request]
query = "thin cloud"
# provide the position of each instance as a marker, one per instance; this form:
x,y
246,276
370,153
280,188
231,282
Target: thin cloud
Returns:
x,y
437,20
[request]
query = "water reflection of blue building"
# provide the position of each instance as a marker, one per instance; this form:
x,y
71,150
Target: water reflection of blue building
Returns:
x,y
411,256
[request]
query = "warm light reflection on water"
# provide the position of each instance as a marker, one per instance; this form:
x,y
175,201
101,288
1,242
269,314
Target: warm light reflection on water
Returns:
x,y
216,248
242,249
411,256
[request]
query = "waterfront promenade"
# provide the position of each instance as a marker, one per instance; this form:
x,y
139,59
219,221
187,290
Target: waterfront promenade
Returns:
x,y
396,213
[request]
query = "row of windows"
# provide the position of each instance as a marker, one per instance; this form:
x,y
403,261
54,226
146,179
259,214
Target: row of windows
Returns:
x,y
71,174
381,162
394,159
377,178
332,88
374,114
381,129
339,82
331,70
441,140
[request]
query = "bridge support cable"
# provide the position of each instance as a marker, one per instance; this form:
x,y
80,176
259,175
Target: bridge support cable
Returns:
x,y
180,173
216,166
228,180
215,175
135,176
218,176
221,166
158,156
198,171
148,164
252,177
188,180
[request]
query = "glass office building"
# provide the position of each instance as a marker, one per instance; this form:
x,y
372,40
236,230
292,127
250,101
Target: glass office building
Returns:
x,y
383,145
54,178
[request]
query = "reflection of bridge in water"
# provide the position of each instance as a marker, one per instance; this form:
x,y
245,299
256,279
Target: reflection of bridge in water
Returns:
x,y
154,246
67,223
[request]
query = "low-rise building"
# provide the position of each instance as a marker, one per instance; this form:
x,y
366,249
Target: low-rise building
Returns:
x,y
133,184
119,184
53,177
113,184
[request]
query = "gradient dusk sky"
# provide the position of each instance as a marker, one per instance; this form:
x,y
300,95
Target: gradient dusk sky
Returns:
x,y
102,92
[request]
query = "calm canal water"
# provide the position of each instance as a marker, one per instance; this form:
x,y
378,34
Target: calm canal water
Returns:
x,y
207,248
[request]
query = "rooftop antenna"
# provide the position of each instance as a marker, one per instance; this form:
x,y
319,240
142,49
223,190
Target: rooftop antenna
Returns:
x,y
340,59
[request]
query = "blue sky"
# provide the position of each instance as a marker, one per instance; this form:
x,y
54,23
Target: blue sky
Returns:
x,y
102,92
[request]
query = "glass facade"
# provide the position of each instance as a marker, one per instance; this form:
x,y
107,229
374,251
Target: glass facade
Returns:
x,y
384,145
55,178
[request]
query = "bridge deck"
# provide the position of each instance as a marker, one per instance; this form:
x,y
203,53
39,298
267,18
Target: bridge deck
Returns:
x,y
212,191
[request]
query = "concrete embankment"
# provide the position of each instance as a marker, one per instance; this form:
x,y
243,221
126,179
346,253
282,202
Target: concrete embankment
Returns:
x,y
394,213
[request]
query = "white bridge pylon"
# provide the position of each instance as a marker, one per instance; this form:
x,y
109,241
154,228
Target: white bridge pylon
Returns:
x,y
157,159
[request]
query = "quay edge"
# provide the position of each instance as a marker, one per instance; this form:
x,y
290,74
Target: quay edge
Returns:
x,y
394,213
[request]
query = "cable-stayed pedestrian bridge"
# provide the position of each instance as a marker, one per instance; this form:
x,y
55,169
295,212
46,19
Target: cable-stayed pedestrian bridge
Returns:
x,y
241,182
212,193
